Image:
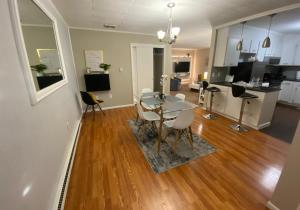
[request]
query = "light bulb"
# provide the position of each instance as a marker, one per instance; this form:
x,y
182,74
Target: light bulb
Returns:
x,y
161,34
175,31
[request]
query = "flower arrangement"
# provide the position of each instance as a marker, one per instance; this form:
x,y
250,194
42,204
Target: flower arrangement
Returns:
x,y
163,79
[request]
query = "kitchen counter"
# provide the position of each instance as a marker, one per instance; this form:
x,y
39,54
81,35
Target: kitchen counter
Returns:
x,y
258,112
292,80
259,89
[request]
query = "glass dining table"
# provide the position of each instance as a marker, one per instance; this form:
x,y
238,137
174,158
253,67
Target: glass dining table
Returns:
x,y
166,105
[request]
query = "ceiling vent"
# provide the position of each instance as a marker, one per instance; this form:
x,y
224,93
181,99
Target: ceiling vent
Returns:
x,y
110,26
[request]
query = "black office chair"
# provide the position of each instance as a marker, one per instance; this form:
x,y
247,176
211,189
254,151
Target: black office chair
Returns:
x,y
90,100
212,90
240,91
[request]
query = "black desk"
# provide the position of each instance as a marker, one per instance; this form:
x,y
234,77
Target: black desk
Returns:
x,y
97,82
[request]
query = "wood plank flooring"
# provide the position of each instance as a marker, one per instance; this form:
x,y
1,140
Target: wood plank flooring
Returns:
x,y
110,171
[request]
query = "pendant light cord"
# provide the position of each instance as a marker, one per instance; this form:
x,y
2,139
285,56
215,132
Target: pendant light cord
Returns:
x,y
270,23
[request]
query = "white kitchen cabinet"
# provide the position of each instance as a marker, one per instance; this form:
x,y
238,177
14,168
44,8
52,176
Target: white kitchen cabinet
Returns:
x,y
285,92
219,101
257,114
260,53
226,53
246,45
254,45
296,93
290,53
276,45
251,112
232,55
233,106
297,55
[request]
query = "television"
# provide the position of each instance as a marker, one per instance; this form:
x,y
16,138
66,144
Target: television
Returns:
x,y
181,67
97,82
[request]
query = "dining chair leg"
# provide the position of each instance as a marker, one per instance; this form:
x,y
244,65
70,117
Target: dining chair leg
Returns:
x,y
139,127
178,134
167,133
100,108
137,118
87,106
160,130
190,136
154,127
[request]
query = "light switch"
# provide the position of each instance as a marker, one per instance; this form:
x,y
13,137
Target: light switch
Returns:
x,y
121,69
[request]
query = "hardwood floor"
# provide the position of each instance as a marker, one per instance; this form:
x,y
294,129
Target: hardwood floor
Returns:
x,y
110,171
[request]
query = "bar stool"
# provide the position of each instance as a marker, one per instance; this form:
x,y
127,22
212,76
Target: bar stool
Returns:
x,y
212,90
203,86
240,91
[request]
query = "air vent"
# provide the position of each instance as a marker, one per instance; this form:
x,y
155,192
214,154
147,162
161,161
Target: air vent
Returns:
x,y
110,26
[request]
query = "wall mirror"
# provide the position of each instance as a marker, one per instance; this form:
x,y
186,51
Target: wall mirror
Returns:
x,y
39,48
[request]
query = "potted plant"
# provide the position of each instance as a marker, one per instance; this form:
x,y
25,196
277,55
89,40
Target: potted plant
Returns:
x,y
163,79
105,67
39,68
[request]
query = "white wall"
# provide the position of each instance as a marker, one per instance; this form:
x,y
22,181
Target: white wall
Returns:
x,y
33,139
286,195
117,52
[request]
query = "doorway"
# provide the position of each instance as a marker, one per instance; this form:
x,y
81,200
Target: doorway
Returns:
x,y
147,67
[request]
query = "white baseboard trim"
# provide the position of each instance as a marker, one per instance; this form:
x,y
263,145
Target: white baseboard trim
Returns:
x,y
116,107
271,206
71,147
258,127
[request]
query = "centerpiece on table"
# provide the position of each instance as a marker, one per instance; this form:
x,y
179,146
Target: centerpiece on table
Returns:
x,y
163,80
105,67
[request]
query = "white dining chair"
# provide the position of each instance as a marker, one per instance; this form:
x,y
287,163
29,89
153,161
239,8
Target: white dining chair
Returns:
x,y
148,107
147,117
181,96
182,125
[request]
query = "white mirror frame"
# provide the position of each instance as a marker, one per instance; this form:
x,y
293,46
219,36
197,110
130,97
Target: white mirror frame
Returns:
x,y
35,96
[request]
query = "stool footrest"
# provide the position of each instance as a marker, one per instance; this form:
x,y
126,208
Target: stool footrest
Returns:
x,y
209,116
238,128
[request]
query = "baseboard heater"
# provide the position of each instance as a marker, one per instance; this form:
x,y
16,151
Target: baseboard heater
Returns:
x,y
63,189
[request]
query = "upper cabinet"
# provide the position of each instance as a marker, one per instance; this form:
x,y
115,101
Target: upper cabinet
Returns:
x,y
290,53
287,47
297,55
276,45
226,53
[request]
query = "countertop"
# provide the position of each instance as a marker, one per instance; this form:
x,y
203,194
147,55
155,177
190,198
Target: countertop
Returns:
x,y
292,80
259,89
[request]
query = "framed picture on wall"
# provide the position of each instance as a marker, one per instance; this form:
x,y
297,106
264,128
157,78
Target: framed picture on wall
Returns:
x,y
93,58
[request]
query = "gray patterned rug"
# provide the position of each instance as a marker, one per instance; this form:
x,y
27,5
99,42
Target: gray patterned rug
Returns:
x,y
167,158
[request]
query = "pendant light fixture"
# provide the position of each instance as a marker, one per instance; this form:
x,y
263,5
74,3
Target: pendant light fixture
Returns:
x,y
172,32
239,46
267,40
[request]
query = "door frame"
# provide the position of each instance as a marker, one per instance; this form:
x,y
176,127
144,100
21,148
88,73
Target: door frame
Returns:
x,y
133,64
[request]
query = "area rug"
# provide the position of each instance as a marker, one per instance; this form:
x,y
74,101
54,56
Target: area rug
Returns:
x,y
167,158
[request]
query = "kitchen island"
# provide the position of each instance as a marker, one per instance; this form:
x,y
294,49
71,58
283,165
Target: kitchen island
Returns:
x,y
258,112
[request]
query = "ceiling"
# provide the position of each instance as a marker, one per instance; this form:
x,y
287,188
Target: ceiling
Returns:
x,y
285,22
30,13
194,17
